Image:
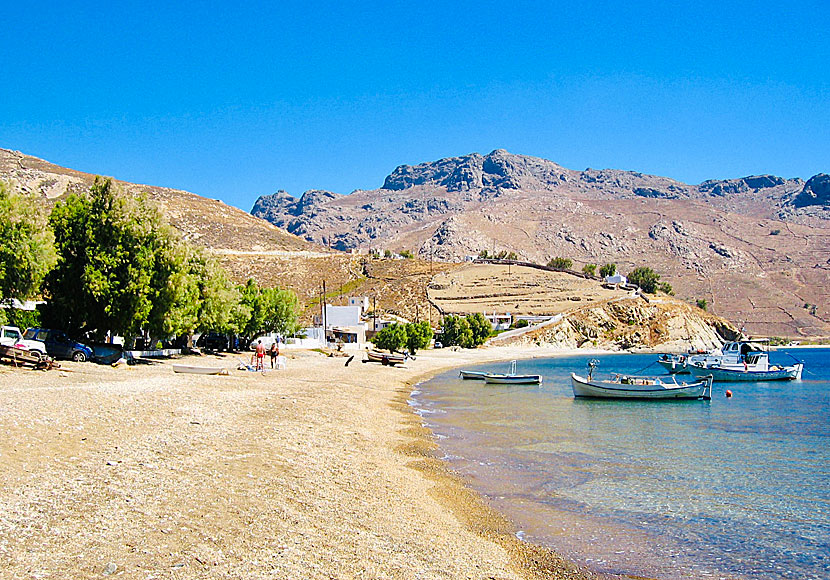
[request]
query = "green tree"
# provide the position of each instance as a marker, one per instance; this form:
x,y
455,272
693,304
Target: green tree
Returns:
x,y
456,331
483,254
281,310
407,254
666,288
589,269
702,303
480,329
391,338
561,263
645,278
27,250
607,270
418,336
264,310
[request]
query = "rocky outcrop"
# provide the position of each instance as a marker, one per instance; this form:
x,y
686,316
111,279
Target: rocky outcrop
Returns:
x,y
741,185
816,192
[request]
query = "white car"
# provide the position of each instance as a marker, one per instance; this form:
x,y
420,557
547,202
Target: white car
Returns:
x,y
267,341
11,336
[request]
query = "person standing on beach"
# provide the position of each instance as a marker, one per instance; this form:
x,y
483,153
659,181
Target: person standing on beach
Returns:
x,y
260,355
274,351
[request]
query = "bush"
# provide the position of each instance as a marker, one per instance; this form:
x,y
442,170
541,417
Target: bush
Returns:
x,y
702,304
775,232
589,269
645,278
391,338
561,263
407,254
608,270
666,288
521,323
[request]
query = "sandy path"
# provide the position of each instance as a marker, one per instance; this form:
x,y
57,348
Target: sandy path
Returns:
x,y
318,471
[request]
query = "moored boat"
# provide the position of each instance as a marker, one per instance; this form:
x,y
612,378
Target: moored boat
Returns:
x,y
621,386
197,370
386,358
748,373
501,379
479,375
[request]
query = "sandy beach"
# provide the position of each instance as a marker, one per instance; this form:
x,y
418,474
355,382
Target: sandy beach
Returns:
x,y
317,471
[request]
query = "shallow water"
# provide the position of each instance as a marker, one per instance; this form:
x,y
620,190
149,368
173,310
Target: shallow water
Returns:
x,y
736,488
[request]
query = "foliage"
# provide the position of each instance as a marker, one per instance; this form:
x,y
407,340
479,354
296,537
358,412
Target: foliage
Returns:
x,y
775,232
483,254
589,269
521,323
607,270
702,303
27,250
480,327
645,278
456,331
387,253
505,255
561,263
407,254
666,288
391,338
260,310
418,336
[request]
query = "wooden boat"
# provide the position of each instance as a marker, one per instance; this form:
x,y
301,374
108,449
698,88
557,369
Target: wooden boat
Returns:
x,y
197,370
386,358
472,375
511,378
499,379
749,372
730,353
621,386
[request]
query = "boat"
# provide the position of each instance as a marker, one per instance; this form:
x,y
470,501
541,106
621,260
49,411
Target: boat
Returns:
x,y
730,353
197,370
472,375
755,368
622,386
511,378
386,358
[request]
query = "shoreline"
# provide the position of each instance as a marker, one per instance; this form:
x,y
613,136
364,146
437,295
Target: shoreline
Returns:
x,y
300,473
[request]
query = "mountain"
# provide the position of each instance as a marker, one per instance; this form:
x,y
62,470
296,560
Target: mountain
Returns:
x,y
755,248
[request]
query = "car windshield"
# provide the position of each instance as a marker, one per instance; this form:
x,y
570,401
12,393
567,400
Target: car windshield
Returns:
x,y
30,334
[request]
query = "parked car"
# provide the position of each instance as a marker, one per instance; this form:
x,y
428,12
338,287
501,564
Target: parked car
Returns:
x,y
213,341
267,341
11,336
59,345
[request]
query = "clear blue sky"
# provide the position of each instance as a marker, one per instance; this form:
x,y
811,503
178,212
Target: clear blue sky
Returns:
x,y
233,100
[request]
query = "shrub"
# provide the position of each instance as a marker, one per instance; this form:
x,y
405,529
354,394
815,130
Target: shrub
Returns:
x,y
775,232
702,304
589,269
608,270
407,254
645,278
561,263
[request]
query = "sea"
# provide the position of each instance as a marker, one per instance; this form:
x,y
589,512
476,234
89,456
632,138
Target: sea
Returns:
x,y
736,487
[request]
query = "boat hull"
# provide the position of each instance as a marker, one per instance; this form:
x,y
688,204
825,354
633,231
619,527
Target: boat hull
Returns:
x,y
497,379
674,367
385,358
478,375
748,376
194,370
582,387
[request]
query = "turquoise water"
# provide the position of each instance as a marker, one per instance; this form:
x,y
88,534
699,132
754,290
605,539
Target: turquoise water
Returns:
x,y
729,488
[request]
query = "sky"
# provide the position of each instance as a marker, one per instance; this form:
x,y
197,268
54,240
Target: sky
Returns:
x,y
233,100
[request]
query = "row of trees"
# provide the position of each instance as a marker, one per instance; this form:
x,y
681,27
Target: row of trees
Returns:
x,y
108,262
413,335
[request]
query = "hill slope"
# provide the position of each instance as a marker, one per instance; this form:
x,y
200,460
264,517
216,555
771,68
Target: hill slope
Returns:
x,y
756,248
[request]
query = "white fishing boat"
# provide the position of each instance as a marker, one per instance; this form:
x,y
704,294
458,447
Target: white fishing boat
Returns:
x,y
197,370
479,375
622,386
730,353
511,378
755,368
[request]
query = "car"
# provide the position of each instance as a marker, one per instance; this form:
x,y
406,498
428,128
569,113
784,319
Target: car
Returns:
x,y
213,341
11,336
438,345
59,345
267,341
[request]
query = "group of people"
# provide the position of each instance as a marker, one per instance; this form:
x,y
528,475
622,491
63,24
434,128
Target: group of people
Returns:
x,y
260,351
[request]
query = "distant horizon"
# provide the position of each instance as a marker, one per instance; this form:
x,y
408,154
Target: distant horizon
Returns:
x,y
234,101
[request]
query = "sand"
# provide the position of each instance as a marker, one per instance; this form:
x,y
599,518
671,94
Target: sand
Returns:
x,y
317,471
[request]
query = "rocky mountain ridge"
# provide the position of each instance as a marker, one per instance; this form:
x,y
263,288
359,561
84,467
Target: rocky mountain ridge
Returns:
x,y
755,248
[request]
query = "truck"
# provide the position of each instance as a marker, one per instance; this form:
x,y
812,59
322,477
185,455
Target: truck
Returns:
x,y
11,336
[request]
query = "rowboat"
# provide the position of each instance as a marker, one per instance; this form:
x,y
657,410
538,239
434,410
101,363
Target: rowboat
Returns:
x,y
643,388
499,379
385,358
196,370
472,375
511,378
621,386
741,373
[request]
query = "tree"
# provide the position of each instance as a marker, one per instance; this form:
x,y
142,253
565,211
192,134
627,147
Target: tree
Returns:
x,y
27,250
645,278
406,254
561,263
589,269
456,331
702,303
418,336
264,310
608,270
480,329
483,254
391,338
666,288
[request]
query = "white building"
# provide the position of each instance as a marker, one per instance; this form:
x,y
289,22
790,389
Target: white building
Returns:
x,y
360,301
616,279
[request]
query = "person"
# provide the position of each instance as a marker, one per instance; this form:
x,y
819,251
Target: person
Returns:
x,y
274,351
260,355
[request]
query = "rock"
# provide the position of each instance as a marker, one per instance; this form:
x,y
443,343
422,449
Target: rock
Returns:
x,y
816,192
110,569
